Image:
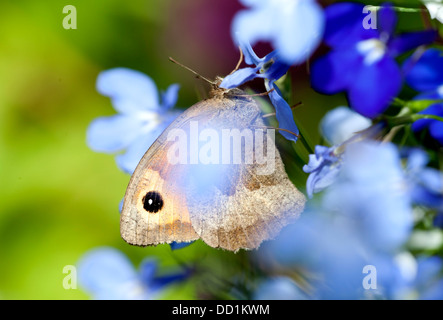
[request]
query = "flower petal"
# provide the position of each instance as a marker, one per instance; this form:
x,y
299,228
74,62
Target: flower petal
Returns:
x,y
344,24
436,131
279,288
374,87
179,245
129,90
409,41
250,26
249,55
426,73
277,69
283,113
148,269
341,123
387,19
435,109
104,271
333,72
169,97
112,134
293,45
239,77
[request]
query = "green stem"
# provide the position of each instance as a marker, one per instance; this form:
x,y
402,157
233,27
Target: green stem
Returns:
x,y
407,119
426,116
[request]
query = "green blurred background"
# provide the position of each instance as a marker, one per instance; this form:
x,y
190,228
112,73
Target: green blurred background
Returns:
x,y
59,198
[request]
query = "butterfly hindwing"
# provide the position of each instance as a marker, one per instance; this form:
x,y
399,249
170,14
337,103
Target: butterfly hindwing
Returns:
x,y
227,205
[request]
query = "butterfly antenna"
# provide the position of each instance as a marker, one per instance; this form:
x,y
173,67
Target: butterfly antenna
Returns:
x,y
189,69
254,94
239,61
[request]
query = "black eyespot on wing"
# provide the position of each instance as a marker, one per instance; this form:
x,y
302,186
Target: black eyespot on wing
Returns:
x,y
152,202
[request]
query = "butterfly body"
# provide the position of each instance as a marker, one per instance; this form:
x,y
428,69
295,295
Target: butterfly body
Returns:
x,y
228,204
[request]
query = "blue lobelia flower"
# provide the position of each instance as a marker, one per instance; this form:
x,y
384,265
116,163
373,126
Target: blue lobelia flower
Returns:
x,y
270,68
294,27
362,60
140,119
279,288
373,192
422,275
425,183
341,124
325,164
106,273
428,283
323,167
426,76
364,218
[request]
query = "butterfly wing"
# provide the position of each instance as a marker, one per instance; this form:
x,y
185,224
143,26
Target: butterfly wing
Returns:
x,y
229,205
253,202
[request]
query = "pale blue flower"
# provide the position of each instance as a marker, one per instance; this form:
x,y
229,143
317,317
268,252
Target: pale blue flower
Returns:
x,y
140,120
294,27
425,183
364,218
107,274
342,123
372,191
279,288
323,168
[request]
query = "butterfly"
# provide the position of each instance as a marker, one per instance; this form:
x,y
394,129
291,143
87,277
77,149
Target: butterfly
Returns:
x,y
186,188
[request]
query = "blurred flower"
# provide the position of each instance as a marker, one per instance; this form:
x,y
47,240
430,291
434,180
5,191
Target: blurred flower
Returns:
x,y
426,75
106,273
372,191
435,8
425,183
364,218
325,164
294,27
279,288
140,119
425,281
271,69
362,61
342,123
323,167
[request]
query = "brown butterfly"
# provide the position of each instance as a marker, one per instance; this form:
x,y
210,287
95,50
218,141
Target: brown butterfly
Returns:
x,y
228,204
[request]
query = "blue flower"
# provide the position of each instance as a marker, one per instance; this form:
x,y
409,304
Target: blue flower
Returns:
x,y
294,27
325,164
279,288
342,123
362,61
106,273
426,76
425,183
323,167
364,218
140,119
372,190
428,283
271,69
